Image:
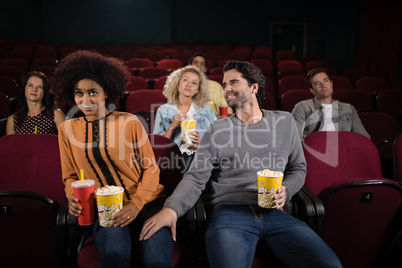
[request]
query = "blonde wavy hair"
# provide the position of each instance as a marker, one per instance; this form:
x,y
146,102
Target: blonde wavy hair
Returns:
x,y
171,87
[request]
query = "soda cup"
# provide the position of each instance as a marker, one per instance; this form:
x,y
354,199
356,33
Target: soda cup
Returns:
x,y
223,110
85,194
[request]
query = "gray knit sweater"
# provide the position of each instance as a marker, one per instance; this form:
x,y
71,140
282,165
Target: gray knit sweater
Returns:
x,y
232,152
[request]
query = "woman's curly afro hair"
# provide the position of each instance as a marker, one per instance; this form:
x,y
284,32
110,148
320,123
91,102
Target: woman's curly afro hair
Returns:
x,y
110,73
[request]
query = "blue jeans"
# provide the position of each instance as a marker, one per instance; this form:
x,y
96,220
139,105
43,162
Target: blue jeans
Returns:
x,y
234,230
114,243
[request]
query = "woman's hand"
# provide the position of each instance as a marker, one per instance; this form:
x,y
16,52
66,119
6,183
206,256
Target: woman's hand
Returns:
x,y
177,118
73,208
195,138
280,197
125,216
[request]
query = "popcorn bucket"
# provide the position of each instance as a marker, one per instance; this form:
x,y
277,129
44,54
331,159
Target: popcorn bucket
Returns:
x,y
268,185
108,205
186,128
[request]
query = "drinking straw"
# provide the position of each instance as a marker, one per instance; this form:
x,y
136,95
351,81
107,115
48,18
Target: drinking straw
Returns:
x,y
36,129
82,175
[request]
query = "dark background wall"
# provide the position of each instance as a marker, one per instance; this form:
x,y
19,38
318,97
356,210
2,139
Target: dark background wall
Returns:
x,y
332,28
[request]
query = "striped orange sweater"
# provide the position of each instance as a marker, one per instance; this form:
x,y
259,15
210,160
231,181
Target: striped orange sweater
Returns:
x,y
114,150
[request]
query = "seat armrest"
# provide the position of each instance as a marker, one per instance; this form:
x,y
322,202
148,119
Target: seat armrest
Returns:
x,y
317,224
64,218
197,213
61,219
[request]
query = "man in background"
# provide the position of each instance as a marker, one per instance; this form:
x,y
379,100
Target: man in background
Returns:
x,y
215,89
322,113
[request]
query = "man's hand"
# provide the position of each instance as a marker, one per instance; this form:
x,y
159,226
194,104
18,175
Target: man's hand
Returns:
x,y
167,217
280,197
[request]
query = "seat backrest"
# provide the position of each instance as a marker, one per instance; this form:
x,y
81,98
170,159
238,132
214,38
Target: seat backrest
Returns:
x,y
397,157
262,54
31,192
168,53
136,83
44,62
144,100
216,71
291,82
356,226
360,99
216,77
17,62
270,102
143,52
341,82
212,59
316,64
269,85
31,162
390,101
371,83
5,105
354,74
265,66
286,72
263,63
168,158
335,156
170,64
139,63
12,71
160,82
289,64
46,69
308,57
153,72
281,55
291,97
381,126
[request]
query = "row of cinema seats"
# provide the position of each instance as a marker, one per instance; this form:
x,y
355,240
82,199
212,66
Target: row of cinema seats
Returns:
x,y
25,55
345,200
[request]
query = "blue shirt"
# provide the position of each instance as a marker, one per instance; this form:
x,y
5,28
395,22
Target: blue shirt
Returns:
x,y
164,117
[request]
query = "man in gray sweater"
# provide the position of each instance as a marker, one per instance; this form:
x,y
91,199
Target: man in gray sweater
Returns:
x,y
224,170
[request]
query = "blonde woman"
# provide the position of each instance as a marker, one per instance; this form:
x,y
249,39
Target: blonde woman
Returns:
x,y
186,90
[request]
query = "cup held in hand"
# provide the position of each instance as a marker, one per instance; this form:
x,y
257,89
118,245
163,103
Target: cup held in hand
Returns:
x,y
109,200
187,127
85,194
268,184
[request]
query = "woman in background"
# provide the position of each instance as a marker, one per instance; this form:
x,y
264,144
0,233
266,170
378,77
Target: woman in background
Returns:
x,y
36,112
186,90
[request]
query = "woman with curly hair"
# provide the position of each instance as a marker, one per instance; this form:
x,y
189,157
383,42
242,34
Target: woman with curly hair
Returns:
x,y
113,149
186,90
36,112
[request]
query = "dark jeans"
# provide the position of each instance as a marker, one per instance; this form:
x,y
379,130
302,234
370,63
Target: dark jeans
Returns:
x,y
115,243
234,230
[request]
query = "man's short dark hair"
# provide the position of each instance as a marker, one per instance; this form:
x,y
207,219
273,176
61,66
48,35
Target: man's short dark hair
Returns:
x,y
313,72
251,73
197,54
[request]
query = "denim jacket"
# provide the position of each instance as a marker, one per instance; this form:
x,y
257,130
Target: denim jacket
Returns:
x,y
309,115
164,117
